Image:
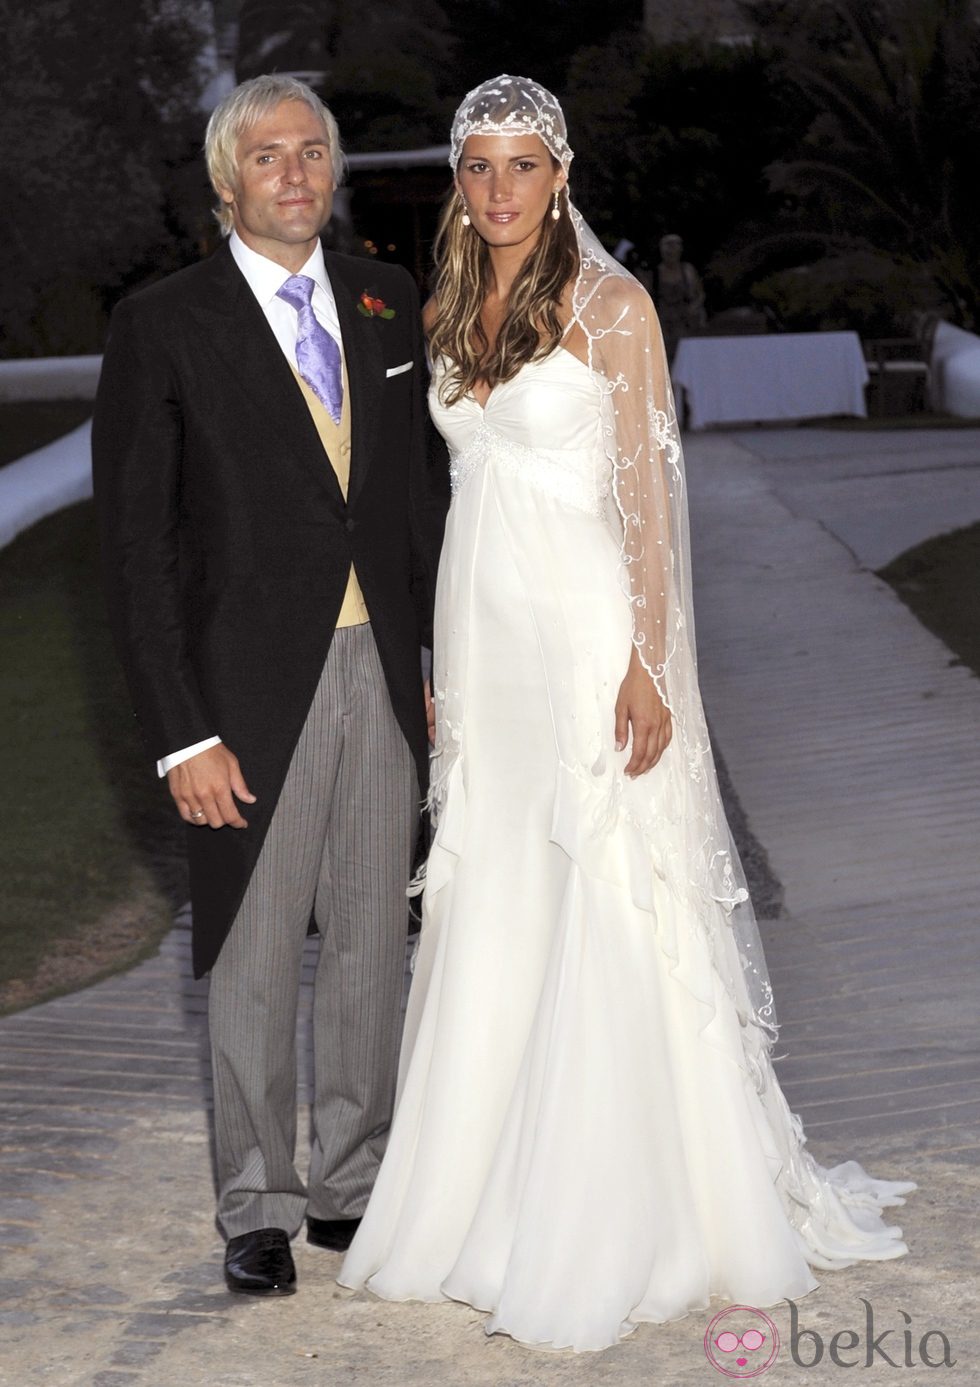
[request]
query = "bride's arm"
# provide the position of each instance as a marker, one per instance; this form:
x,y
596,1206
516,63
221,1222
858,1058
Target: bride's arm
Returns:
x,y
641,439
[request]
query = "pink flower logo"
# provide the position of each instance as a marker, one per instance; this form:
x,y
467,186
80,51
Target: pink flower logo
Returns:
x,y
741,1341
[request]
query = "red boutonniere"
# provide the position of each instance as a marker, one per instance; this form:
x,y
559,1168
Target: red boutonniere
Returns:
x,y
373,308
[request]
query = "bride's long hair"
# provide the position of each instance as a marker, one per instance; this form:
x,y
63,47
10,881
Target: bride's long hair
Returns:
x,y
532,326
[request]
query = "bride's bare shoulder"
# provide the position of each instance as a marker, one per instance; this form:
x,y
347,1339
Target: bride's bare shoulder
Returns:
x,y
430,311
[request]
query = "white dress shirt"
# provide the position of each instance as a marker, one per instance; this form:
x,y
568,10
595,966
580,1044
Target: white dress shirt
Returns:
x,y
265,278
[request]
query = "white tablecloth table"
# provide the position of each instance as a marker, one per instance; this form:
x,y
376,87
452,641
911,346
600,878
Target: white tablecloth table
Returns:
x,y
787,375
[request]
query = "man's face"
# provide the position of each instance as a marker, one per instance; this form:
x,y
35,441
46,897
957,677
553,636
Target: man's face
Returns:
x,y
284,192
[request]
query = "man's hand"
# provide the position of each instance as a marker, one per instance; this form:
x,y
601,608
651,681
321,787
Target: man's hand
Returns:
x,y
641,708
206,786
430,712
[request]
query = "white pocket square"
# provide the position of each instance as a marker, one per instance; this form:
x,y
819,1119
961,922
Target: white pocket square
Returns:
x,y
398,370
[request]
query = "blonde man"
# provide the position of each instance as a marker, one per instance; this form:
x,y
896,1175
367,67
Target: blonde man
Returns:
x,y
271,530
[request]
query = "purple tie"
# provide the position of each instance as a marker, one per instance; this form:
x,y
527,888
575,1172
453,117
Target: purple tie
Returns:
x,y
317,354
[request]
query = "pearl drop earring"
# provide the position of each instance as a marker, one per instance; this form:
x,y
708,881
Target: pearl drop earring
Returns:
x,y
465,219
556,209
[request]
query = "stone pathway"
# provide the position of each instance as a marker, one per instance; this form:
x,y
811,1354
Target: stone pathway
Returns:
x,y
852,743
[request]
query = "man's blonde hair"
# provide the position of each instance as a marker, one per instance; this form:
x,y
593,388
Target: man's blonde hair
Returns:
x,y
238,111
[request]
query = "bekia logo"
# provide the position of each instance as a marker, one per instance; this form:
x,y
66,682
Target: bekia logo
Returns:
x,y
743,1342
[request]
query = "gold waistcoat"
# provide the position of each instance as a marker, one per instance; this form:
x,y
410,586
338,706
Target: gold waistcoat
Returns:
x,y
336,444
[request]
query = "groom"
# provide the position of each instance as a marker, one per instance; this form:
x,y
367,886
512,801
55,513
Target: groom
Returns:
x,y
271,529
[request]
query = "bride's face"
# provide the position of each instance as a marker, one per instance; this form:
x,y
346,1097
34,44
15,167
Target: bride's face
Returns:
x,y
507,183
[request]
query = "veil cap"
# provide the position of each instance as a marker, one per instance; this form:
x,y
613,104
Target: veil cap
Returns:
x,y
508,105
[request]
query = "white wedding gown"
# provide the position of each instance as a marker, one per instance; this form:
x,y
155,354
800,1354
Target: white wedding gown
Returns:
x,y
579,1142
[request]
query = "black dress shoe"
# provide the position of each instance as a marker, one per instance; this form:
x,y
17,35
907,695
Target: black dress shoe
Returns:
x,y
260,1263
335,1233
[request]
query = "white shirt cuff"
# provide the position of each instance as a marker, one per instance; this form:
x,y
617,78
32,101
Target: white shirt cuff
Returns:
x,y
168,762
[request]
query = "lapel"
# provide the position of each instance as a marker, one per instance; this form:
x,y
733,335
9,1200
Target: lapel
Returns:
x,y
238,331
365,369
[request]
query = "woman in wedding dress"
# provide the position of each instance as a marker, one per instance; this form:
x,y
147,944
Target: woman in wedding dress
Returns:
x,y
588,1130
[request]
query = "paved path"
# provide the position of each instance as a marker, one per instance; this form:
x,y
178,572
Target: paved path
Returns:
x,y
877,493
853,740
852,743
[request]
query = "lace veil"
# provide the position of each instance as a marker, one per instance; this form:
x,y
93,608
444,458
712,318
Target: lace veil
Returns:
x,y
642,442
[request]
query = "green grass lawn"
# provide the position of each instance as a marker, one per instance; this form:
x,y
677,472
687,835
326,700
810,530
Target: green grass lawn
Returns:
x,y
29,424
91,851
939,581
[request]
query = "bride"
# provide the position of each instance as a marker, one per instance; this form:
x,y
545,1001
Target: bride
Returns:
x,y
588,1130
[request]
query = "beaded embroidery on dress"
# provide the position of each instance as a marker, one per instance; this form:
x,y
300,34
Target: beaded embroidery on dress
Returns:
x,y
588,1130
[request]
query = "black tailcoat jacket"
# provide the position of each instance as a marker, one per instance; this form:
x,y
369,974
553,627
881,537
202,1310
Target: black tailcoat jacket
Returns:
x,y
227,541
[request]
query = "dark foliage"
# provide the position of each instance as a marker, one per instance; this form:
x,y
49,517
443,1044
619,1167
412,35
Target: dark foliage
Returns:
x,y
886,165
838,148
677,138
96,100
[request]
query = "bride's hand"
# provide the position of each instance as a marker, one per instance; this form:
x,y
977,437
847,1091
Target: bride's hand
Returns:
x,y
639,707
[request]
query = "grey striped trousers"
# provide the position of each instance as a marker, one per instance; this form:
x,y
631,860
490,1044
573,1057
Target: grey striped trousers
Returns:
x,y
339,846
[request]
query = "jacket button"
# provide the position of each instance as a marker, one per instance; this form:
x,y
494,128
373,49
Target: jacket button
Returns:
x,y
349,525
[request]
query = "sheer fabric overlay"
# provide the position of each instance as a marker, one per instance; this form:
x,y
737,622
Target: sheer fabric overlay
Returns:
x,y
641,439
